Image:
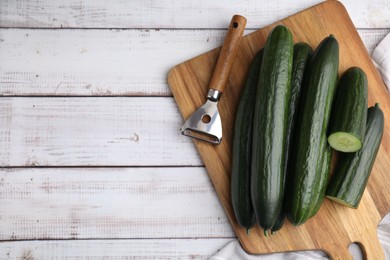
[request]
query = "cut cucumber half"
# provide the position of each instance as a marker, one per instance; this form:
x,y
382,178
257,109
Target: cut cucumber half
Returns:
x,y
353,170
344,142
349,112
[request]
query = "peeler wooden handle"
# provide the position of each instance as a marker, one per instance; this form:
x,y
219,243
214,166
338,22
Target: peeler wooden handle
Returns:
x,y
228,53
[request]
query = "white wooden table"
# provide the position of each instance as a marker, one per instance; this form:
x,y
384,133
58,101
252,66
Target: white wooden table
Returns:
x,y
92,162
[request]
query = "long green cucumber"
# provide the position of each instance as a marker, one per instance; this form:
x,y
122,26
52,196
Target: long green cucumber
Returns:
x,y
353,169
349,112
302,54
311,145
242,148
270,127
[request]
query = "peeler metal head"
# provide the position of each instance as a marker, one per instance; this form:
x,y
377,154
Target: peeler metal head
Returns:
x,y
205,123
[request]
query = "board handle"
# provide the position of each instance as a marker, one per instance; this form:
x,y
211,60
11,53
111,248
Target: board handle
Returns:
x,y
371,250
338,253
371,247
228,53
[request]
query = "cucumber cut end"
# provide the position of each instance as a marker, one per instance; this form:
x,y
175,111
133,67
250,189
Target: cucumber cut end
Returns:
x,y
342,202
344,142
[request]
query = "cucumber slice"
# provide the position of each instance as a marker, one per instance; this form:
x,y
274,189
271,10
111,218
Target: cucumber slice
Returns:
x,y
345,142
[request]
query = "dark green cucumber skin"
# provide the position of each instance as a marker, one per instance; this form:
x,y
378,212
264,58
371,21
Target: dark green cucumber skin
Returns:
x,y
301,57
349,112
311,145
302,54
353,169
319,196
279,221
270,127
242,148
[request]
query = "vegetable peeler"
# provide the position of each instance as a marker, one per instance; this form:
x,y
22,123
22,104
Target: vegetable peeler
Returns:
x,y
205,123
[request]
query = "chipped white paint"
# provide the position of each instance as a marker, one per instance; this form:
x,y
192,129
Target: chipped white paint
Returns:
x,y
194,249
368,13
93,132
172,14
104,62
144,14
88,203
147,206
96,62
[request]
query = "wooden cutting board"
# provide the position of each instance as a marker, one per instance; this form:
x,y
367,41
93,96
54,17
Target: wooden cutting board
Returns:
x,y
335,226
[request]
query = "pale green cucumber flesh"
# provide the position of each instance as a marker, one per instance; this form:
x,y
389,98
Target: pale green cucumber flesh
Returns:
x,y
345,142
340,201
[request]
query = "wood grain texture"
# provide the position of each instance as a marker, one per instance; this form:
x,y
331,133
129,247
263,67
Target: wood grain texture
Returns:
x,y
228,53
95,62
188,82
129,249
172,14
51,196
128,61
103,203
41,62
93,131
113,249
191,249
142,14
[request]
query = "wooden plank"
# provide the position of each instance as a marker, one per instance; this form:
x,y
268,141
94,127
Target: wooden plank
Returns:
x,y
95,62
142,14
368,13
93,131
172,14
348,225
102,203
56,202
104,62
200,248
133,249
113,249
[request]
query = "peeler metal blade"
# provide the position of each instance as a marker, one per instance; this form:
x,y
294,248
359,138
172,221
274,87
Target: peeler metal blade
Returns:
x,y
205,123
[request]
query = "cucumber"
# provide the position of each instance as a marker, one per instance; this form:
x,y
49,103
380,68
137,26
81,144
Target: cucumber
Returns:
x,y
349,112
279,221
302,54
353,169
301,57
311,165
270,127
323,175
242,148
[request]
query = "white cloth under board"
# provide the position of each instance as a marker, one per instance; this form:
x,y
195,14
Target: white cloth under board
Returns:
x,y
381,58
